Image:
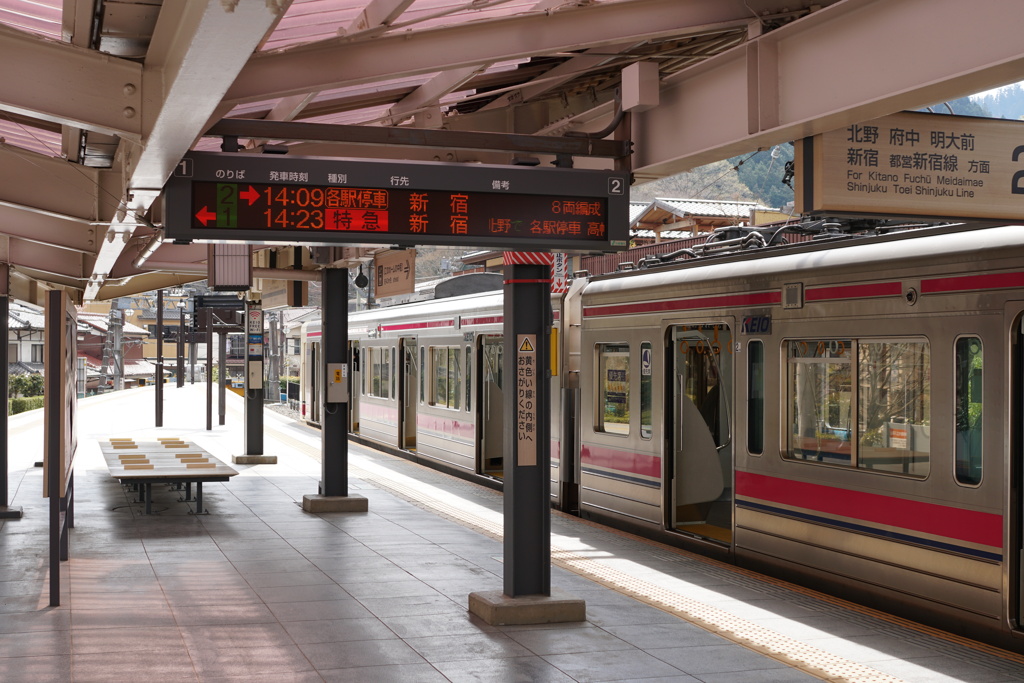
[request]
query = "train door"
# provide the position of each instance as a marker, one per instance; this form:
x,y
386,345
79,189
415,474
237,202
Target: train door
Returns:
x,y
1014,432
314,370
491,406
702,465
408,393
355,384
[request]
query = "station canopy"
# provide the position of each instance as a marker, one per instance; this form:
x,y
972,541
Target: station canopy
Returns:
x,y
101,99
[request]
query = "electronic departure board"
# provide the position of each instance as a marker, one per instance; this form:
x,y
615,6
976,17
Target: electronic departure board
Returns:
x,y
310,200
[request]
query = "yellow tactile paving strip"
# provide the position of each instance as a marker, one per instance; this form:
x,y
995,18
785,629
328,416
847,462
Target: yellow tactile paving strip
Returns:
x,y
792,652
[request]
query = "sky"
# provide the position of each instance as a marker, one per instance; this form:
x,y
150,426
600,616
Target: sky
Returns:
x,y
985,93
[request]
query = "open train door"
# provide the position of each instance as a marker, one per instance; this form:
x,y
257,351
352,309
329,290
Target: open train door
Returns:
x,y
491,406
314,401
355,383
408,393
702,463
1014,427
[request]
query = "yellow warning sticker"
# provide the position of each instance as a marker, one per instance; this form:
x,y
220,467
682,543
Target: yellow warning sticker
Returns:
x,y
526,346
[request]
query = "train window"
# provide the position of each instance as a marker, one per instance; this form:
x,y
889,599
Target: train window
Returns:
x,y
755,401
394,366
613,394
423,373
968,398
447,385
646,403
889,384
378,379
820,392
894,406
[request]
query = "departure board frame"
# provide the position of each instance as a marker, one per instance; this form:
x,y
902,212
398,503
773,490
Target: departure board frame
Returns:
x,y
279,199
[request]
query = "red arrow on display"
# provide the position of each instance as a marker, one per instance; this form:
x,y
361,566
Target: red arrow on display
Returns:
x,y
251,194
204,216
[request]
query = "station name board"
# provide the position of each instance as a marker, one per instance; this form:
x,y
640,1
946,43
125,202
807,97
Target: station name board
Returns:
x,y
306,200
915,164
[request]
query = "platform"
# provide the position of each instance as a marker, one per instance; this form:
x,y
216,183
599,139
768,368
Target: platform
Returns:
x,y
263,591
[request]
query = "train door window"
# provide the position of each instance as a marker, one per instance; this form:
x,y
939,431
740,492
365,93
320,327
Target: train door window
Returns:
x,y
755,402
469,377
968,398
820,398
613,394
894,406
378,379
394,368
447,385
646,402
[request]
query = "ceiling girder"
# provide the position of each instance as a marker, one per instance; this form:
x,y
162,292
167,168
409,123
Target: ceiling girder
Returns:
x,y
50,184
443,139
835,67
198,48
71,85
430,93
47,258
377,13
316,67
71,235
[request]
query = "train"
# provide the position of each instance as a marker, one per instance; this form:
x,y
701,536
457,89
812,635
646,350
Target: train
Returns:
x,y
843,413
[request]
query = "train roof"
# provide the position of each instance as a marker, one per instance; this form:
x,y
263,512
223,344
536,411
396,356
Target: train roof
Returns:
x,y
879,253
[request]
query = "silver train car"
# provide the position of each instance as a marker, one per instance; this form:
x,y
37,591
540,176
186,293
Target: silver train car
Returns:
x,y
844,415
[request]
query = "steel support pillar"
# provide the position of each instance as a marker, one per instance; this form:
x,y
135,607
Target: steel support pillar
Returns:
x,y
334,416
208,318
334,495
222,376
527,499
179,381
527,596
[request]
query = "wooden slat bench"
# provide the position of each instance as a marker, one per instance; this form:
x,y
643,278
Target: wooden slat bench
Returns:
x,y
165,461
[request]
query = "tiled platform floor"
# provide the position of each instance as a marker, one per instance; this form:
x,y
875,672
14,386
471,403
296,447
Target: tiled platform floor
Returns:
x,y
261,591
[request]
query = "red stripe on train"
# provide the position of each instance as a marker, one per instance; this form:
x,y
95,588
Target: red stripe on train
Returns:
x,y
621,461
488,320
983,528
969,282
723,301
450,427
418,326
853,291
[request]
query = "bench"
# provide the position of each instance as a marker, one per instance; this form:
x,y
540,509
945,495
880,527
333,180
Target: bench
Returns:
x,y
164,461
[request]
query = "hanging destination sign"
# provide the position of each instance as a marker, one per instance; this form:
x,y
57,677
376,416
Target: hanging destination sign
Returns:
x,y
265,199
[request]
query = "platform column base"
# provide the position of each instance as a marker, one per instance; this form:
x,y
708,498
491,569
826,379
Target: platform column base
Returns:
x,y
254,459
11,512
497,609
314,502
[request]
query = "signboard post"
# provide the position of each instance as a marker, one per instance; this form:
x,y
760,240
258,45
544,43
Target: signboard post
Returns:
x,y
309,200
254,390
915,164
